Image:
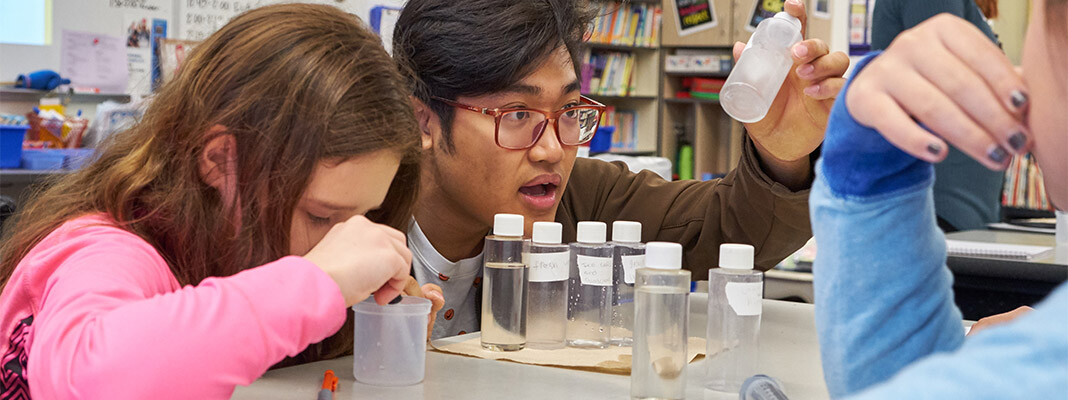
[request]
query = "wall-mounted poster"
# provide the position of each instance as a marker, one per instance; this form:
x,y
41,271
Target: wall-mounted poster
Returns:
x,y
763,9
821,9
694,15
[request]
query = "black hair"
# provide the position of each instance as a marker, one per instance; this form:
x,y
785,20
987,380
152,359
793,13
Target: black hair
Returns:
x,y
452,48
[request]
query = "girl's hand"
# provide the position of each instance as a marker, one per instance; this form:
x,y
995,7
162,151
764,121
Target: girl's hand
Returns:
x,y
947,76
430,292
364,258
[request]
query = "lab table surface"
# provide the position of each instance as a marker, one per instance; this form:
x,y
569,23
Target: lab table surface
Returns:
x,y
788,351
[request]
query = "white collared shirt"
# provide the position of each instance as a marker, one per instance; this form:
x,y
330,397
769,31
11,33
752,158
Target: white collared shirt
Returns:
x,y
460,282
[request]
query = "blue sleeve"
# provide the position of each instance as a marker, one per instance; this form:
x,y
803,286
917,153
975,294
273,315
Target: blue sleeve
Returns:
x,y
888,327
1025,359
883,297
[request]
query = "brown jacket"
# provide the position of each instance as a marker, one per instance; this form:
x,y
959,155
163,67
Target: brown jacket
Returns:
x,y
746,206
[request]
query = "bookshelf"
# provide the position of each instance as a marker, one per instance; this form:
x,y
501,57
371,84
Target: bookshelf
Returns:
x,y
657,94
1023,193
621,68
699,120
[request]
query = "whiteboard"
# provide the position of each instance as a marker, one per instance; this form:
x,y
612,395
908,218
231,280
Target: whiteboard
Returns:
x,y
112,17
197,19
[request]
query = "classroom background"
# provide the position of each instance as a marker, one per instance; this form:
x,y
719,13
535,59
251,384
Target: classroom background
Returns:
x,y
91,66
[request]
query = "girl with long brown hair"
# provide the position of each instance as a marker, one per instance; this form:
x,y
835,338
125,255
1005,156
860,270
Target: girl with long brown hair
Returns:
x,y
164,269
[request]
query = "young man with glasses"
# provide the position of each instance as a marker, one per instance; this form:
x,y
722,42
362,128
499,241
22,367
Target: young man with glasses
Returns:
x,y
496,92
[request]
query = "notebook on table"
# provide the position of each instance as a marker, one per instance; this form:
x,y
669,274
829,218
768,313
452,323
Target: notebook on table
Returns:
x,y
1000,250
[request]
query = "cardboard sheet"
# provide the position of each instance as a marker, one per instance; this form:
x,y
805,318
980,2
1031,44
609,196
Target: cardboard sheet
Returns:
x,y
611,360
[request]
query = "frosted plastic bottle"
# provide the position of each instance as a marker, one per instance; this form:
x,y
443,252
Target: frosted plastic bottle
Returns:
x,y
628,255
735,291
756,78
504,290
661,303
549,263
589,301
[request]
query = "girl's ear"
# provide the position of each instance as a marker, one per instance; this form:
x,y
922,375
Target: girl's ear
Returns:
x,y
217,163
429,123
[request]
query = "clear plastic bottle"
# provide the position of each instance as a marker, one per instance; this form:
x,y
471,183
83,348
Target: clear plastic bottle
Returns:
x,y
735,291
628,254
762,387
504,290
661,302
589,301
756,78
549,263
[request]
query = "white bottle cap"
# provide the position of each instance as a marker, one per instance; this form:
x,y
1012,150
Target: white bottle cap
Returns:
x,y
547,232
735,256
591,232
508,225
627,231
783,15
663,255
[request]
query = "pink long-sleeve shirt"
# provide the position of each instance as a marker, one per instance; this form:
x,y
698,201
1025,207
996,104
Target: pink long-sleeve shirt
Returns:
x,y
93,311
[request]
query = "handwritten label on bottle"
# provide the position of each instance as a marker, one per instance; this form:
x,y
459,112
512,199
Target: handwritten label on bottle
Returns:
x,y
745,297
548,267
595,271
630,264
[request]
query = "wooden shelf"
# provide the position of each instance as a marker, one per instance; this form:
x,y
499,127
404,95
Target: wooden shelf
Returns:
x,y
690,101
15,94
611,98
620,47
628,153
698,74
28,175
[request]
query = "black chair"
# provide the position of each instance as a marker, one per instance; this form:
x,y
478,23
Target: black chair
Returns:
x,y
7,209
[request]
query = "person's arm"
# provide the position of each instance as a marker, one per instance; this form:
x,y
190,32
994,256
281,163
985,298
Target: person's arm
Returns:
x,y
1026,359
883,294
746,206
111,324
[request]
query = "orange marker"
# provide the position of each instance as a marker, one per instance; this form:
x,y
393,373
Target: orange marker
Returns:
x,y
329,386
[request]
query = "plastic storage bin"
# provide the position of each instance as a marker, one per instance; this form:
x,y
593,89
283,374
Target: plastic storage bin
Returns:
x,y
11,145
44,159
55,159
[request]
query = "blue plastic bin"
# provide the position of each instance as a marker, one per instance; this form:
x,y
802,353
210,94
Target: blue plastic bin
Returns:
x,y
11,137
76,158
54,159
602,140
43,159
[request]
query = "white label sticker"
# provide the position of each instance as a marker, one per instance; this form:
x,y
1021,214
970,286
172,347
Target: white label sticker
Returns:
x,y
548,267
631,263
745,297
595,271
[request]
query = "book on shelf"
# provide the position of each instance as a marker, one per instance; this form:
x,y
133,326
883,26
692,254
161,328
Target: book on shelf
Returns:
x,y
607,73
627,24
625,137
1023,186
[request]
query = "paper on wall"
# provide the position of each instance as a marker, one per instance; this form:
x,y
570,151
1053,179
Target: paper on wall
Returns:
x,y
94,60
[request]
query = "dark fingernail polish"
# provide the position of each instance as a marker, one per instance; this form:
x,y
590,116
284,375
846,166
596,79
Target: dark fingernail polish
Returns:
x,y
997,155
1018,141
934,148
1019,99
396,299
